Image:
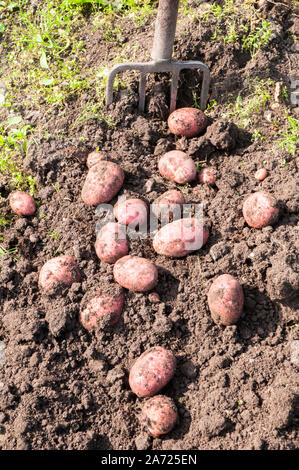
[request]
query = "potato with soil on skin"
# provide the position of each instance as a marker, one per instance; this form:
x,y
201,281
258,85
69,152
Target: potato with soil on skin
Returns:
x,y
95,157
260,209
180,237
169,205
177,166
22,203
261,174
207,175
135,273
188,122
59,272
226,300
104,309
159,415
102,183
152,371
111,243
131,211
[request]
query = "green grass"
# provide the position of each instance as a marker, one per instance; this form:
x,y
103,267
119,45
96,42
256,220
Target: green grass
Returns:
x,y
289,138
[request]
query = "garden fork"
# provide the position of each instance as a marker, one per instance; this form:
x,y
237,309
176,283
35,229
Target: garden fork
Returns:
x,y
162,60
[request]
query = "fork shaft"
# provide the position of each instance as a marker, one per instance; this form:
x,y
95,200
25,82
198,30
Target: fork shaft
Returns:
x,y
165,30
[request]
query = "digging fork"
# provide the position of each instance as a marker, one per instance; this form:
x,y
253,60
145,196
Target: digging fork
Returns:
x,y
162,60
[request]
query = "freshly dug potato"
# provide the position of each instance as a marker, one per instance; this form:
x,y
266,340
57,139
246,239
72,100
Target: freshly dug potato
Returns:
x,y
226,300
180,237
207,175
159,415
95,157
105,307
59,272
111,243
260,209
152,371
169,205
188,122
135,273
22,203
131,211
102,183
177,166
261,174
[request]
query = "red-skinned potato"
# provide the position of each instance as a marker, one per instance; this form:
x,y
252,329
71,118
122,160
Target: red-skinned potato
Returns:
x,y
111,243
95,157
168,205
59,272
102,183
261,174
135,273
104,309
226,300
159,415
177,166
131,211
22,203
188,122
152,371
207,175
260,209
180,237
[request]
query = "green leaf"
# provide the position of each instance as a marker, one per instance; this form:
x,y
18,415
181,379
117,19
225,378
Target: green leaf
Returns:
x,y
2,28
14,120
43,60
47,81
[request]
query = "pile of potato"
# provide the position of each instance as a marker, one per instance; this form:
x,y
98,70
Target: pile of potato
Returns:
x,y
155,367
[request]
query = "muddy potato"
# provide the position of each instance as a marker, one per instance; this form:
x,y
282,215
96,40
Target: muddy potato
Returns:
x,y
135,273
111,243
159,415
102,183
226,300
207,175
180,237
104,306
59,272
187,122
152,371
260,209
169,205
131,211
95,157
22,203
177,166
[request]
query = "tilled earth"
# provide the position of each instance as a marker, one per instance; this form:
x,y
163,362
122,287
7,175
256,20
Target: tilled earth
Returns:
x,y
236,387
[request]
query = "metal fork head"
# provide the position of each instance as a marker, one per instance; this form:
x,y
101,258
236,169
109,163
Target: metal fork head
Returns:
x,y
160,67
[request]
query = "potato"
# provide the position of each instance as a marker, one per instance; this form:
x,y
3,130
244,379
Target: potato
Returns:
x,y
159,415
95,157
104,309
207,175
188,122
169,205
131,211
177,166
260,209
22,203
261,174
102,183
111,243
135,273
152,371
226,300
59,272
180,237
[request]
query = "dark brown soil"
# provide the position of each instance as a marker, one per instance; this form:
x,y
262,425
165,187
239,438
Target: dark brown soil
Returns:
x,y
235,387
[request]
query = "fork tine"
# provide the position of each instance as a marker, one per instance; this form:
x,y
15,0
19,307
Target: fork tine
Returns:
x,y
174,90
142,86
